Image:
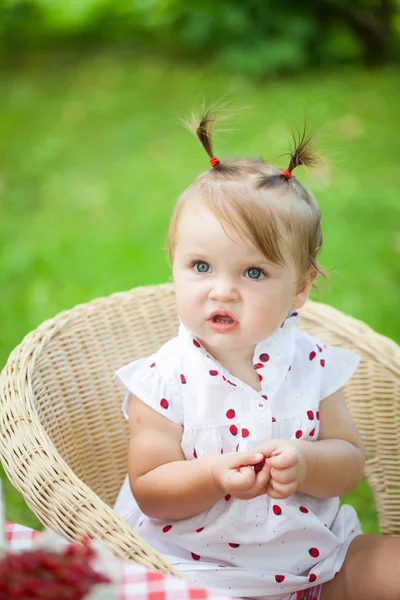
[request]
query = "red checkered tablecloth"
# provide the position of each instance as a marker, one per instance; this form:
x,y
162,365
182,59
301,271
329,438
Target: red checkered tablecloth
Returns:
x,y
138,582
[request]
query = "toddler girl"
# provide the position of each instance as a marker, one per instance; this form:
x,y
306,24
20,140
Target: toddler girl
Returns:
x,y
240,440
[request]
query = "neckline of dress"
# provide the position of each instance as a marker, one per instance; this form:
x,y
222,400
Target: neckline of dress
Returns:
x,y
274,352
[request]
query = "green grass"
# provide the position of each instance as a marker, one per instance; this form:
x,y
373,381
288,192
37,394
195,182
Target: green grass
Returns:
x,y
92,158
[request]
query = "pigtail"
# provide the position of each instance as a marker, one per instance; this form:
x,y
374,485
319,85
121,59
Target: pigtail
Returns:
x,y
302,151
204,128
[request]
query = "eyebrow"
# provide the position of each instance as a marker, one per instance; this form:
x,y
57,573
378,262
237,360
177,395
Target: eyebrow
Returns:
x,y
260,259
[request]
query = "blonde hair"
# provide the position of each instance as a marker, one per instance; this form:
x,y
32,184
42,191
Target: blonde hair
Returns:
x,y
263,203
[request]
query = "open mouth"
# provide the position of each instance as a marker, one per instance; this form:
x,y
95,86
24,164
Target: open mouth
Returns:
x,y
222,319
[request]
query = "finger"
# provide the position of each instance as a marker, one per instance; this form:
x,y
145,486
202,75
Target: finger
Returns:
x,y
242,479
283,460
262,480
284,490
273,494
241,459
284,475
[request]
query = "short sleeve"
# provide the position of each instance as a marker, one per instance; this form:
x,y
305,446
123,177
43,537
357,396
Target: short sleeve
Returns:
x,y
144,379
339,366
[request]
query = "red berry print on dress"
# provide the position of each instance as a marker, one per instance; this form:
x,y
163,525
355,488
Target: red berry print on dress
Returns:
x,y
312,432
213,372
310,415
196,343
322,362
233,545
222,450
237,447
264,357
279,578
277,510
264,396
164,403
231,382
228,497
260,377
167,528
152,365
313,354
319,348
314,552
233,429
273,419
230,413
245,433
194,453
183,379
317,415
199,529
299,434
312,577
303,509
195,556
259,366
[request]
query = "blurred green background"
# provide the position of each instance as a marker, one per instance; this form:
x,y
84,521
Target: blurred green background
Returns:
x,y
92,154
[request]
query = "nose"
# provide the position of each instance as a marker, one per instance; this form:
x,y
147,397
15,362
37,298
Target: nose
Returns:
x,y
224,290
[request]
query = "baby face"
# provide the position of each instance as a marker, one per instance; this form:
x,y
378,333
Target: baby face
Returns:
x,y
228,294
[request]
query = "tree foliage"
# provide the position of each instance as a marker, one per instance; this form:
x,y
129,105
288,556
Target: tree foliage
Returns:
x,y
256,36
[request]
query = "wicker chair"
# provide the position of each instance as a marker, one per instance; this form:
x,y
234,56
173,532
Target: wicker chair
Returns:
x,y
63,438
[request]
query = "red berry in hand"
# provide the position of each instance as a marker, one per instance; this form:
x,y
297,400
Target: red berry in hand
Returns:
x,y
258,467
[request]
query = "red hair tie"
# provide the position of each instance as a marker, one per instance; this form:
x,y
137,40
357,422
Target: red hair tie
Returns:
x,y
287,174
214,161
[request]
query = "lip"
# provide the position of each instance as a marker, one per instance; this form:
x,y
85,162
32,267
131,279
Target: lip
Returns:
x,y
219,326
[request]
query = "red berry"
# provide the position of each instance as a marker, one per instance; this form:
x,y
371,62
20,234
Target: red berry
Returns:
x,y
232,545
233,429
312,355
303,509
312,577
277,509
314,552
279,578
195,556
231,414
213,372
310,415
299,434
167,528
258,467
264,357
245,433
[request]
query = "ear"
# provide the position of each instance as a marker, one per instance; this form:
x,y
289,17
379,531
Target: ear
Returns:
x,y
304,287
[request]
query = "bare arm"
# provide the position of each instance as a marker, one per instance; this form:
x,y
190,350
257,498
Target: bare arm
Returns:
x,y
166,485
335,463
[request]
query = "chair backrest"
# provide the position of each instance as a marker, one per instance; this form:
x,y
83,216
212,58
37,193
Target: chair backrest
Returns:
x,y
73,357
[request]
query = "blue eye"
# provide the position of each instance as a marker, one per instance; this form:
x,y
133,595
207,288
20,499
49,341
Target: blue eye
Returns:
x,y
255,273
201,266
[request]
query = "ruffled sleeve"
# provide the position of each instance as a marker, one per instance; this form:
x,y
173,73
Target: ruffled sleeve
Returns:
x,y
145,379
339,366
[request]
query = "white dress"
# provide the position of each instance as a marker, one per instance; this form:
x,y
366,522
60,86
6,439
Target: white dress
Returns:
x,y
260,548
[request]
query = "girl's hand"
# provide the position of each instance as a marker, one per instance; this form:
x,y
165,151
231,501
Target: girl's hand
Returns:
x,y
288,467
234,475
